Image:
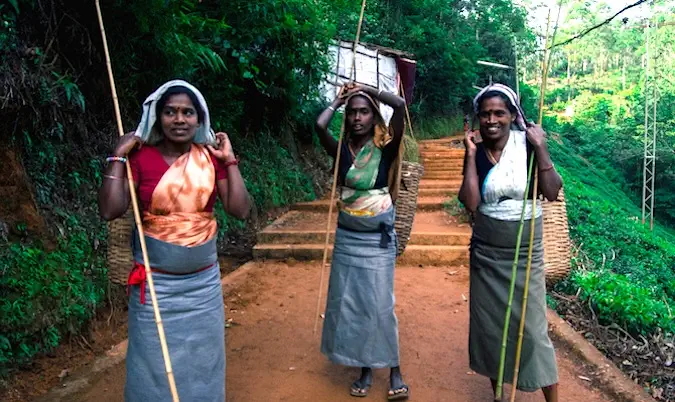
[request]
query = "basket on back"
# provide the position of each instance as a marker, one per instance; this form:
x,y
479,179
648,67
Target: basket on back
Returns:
x,y
120,259
556,239
406,203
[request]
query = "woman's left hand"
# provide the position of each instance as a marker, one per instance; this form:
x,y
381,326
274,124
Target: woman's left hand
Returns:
x,y
536,135
223,152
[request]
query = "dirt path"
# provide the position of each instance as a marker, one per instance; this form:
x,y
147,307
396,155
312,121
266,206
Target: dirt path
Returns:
x,y
273,356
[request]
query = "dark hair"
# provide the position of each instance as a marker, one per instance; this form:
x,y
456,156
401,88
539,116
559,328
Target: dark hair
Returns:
x,y
495,94
175,90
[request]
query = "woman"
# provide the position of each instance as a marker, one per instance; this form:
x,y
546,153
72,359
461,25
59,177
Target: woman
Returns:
x,y
495,177
360,328
177,172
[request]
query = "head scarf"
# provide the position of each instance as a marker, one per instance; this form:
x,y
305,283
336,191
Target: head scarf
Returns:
x,y
513,98
381,137
146,128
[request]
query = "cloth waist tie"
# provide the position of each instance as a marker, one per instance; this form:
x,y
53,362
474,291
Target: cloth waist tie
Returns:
x,y
384,229
138,277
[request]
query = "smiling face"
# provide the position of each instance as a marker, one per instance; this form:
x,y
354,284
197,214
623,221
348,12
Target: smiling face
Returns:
x,y
495,118
179,119
360,116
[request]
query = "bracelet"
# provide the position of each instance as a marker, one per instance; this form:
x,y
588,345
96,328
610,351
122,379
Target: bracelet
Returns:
x,y
547,168
331,108
107,176
116,159
231,163
379,93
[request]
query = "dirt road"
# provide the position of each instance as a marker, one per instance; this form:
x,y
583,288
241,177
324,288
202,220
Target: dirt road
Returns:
x,y
273,356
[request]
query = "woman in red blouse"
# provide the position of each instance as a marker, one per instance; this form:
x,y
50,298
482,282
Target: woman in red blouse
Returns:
x,y
179,166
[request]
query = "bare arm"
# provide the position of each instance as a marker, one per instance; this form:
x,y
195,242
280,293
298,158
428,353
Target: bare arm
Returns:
x,y
550,181
327,141
232,191
469,193
113,197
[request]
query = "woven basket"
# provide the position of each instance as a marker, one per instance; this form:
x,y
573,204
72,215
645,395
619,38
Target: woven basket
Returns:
x,y
120,258
556,239
406,203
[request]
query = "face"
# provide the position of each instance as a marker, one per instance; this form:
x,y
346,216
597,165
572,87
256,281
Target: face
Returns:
x,y
179,119
360,116
495,118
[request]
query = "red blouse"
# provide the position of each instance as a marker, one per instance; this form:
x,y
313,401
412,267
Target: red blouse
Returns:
x,y
148,166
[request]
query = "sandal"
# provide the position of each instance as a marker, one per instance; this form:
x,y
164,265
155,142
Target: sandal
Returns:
x,y
358,390
398,394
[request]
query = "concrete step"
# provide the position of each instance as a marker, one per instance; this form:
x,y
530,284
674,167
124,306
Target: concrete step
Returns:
x,y
443,166
413,255
442,176
456,237
431,161
442,154
458,173
438,183
423,204
432,192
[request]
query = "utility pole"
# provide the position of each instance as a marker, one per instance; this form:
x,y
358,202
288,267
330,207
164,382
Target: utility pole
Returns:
x,y
649,161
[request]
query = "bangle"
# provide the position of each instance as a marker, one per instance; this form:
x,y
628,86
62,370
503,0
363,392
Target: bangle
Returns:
x,y
116,159
331,108
231,163
107,176
547,168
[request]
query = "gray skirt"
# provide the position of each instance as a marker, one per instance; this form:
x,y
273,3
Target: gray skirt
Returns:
x,y
360,328
492,250
191,305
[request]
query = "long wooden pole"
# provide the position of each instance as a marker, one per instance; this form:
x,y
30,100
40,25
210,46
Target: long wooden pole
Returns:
x,y
528,269
137,217
514,269
335,177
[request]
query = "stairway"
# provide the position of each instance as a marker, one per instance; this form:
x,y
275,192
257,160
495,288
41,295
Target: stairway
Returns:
x,y
436,238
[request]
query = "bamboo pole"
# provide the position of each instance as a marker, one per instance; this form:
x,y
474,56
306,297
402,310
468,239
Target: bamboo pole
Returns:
x,y
137,217
335,176
528,269
514,272
514,268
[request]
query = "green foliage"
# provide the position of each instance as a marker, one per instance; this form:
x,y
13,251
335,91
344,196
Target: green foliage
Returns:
x,y
446,38
618,299
439,127
47,295
454,207
626,258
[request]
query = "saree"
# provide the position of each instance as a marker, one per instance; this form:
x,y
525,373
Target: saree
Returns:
x,y
491,258
181,245
360,327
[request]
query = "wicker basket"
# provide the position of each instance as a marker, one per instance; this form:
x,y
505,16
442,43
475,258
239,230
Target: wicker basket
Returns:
x,y
120,258
556,239
406,203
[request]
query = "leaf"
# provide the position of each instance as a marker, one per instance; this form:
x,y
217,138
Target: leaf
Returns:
x,y
15,4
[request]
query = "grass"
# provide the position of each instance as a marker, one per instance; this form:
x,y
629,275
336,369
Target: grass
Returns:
x,y
438,127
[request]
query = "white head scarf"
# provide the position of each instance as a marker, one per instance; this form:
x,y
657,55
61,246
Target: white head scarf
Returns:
x,y
520,115
148,134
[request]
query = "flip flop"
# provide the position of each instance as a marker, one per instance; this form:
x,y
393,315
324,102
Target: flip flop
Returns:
x,y
358,390
398,394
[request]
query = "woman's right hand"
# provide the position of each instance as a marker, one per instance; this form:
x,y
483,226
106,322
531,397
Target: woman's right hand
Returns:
x,y
127,143
469,142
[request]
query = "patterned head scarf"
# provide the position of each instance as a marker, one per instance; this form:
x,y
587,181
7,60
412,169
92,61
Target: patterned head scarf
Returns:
x,y
513,98
382,136
146,128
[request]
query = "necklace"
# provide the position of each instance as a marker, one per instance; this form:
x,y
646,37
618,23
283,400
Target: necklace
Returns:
x,y
366,159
